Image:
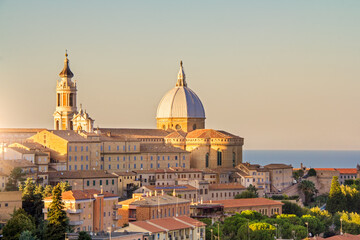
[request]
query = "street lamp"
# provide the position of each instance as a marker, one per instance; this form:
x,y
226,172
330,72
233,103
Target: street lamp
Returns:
x,y
307,229
276,230
341,232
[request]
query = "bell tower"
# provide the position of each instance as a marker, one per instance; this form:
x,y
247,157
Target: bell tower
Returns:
x,y
65,99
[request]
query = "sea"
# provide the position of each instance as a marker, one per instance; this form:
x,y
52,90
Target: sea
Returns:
x,y
309,158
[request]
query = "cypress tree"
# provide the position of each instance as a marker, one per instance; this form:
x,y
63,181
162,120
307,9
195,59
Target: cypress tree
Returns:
x,y
58,222
337,200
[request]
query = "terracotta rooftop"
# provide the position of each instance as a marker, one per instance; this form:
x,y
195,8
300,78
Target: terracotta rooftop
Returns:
x,y
82,194
247,202
23,163
169,223
347,170
136,133
21,130
147,226
159,200
210,133
191,221
225,186
80,174
277,165
170,188
325,169
346,236
162,148
71,136
124,173
177,134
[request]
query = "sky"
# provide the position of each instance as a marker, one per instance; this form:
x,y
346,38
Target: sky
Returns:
x,y
282,74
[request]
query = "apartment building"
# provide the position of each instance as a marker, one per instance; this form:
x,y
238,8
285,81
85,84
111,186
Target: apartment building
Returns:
x,y
141,208
88,210
8,202
280,176
127,183
85,180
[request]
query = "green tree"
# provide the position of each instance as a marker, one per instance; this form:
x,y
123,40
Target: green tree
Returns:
x,y
292,208
337,200
298,174
246,194
47,191
19,222
27,235
16,176
65,186
312,172
308,188
84,236
58,222
232,224
256,231
315,225
32,200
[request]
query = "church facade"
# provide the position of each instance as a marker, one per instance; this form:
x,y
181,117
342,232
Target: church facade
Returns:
x,y
180,125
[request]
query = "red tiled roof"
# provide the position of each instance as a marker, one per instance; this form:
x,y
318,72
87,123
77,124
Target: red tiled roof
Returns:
x,y
225,186
209,133
346,236
247,202
169,223
147,226
324,169
347,170
191,221
82,194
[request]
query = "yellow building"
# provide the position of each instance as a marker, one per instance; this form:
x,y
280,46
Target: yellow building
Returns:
x,y
8,202
88,210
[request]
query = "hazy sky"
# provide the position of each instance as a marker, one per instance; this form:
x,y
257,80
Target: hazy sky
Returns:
x,y
281,74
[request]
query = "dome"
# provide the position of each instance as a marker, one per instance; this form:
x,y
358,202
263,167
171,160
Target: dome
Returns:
x,y
181,101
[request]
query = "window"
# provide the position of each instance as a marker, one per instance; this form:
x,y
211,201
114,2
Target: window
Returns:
x,y
87,167
141,158
69,148
183,165
109,148
101,147
101,167
82,148
207,160
219,157
82,167
176,157
75,158
109,166
129,148
87,158
134,166
168,165
158,165
109,159
75,167
234,159
183,157
69,167
118,158
87,148
168,157
124,148
134,147
151,165
151,158
141,166
107,182
123,158
87,183
69,158
118,166
134,158
75,148
82,158
112,182
100,182
176,164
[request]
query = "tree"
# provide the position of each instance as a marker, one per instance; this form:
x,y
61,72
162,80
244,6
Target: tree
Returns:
x,y
337,200
298,174
32,200
311,172
84,236
292,208
256,231
27,235
65,186
58,222
308,188
19,222
16,177
47,191
246,194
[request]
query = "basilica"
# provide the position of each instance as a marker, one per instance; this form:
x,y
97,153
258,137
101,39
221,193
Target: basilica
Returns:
x,y
180,138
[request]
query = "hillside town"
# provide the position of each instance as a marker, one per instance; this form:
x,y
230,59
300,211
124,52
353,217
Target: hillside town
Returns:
x,y
177,181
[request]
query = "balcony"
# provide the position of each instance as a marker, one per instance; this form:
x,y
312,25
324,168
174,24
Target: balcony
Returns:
x,y
117,206
74,211
76,223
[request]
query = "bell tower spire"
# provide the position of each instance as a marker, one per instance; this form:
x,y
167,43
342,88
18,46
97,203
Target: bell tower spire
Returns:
x,y
65,98
181,82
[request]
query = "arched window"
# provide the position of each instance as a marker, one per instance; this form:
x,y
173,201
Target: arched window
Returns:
x,y
71,99
71,125
57,125
163,127
219,157
234,159
194,127
207,160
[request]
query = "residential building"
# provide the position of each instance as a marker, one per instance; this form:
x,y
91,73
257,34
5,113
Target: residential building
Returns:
x,y
347,174
3,180
262,205
127,183
255,175
8,202
182,227
141,208
84,180
214,211
280,176
88,210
